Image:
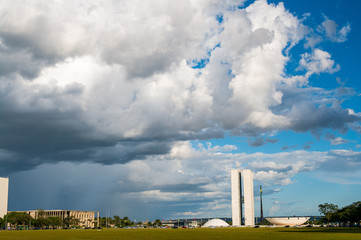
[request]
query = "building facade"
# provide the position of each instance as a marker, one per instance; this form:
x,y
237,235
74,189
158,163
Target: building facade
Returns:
x,y
4,192
85,218
242,204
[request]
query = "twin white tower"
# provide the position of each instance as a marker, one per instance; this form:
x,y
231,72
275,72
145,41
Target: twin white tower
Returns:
x,y
242,179
4,190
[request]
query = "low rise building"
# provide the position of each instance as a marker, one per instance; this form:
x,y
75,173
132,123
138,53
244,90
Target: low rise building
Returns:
x,y
85,218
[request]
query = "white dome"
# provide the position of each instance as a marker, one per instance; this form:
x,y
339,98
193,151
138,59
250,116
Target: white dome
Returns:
x,y
291,221
216,223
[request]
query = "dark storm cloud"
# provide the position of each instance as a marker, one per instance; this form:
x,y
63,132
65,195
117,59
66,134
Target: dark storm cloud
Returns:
x,y
32,139
126,151
102,152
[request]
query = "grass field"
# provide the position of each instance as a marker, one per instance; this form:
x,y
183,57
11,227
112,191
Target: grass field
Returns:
x,y
187,234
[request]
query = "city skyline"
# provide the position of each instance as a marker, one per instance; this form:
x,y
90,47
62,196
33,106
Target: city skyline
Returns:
x,y
142,108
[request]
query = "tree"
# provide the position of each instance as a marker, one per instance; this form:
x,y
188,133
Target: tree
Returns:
x,y
102,221
42,222
18,218
125,222
355,212
117,221
329,211
157,223
350,213
71,221
55,222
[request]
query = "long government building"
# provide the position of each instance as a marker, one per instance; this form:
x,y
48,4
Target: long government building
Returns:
x,y
86,218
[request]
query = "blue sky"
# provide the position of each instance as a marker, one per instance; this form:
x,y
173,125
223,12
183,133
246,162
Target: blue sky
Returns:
x,y
142,109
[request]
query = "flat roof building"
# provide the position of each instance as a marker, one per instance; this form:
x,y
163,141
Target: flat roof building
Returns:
x,y
86,218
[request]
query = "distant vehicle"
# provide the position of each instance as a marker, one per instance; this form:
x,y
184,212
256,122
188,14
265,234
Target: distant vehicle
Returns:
x,y
256,226
287,226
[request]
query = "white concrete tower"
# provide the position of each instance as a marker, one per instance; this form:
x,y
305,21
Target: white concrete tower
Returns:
x,y
4,190
248,197
236,197
248,206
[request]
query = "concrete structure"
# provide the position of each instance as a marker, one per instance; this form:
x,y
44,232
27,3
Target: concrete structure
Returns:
x,y
193,224
86,218
246,202
287,221
4,192
216,223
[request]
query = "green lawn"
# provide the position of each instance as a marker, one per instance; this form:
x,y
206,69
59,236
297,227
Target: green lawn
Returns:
x,y
187,234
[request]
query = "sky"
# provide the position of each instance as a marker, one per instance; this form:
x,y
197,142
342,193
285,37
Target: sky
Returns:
x,y
141,108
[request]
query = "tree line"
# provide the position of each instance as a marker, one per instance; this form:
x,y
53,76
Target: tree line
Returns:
x,y
23,220
116,221
349,215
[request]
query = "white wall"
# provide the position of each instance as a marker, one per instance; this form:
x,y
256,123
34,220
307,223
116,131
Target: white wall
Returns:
x,y
236,198
4,191
248,197
242,179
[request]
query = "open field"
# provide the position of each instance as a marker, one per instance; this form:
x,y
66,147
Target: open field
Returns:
x,y
187,234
